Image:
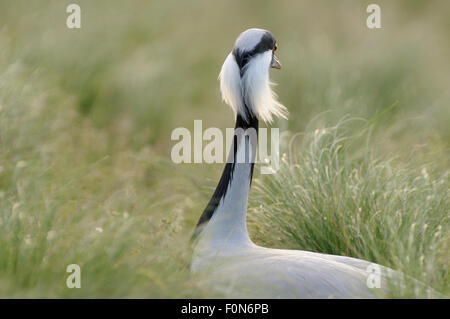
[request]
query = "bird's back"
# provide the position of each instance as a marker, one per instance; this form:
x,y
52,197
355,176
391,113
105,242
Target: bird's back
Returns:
x,y
258,272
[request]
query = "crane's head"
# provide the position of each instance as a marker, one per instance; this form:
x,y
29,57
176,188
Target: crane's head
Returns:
x,y
244,78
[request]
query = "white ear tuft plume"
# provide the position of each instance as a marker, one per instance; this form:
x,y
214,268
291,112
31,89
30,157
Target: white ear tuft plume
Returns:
x,y
257,90
230,85
253,89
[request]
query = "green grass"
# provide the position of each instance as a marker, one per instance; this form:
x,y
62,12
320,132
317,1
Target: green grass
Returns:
x,y
335,196
86,117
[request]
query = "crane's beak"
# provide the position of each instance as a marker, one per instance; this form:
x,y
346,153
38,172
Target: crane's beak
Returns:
x,y
275,63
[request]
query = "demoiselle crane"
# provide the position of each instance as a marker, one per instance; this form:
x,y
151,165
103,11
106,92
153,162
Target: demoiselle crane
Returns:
x,y
234,265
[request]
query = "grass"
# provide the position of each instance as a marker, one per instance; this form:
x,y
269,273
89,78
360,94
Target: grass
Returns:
x,y
86,117
328,198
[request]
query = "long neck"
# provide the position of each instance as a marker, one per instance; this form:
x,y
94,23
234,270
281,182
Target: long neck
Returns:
x,y
224,218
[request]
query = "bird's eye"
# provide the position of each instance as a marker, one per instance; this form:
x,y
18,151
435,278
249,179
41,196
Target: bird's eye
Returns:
x,y
275,48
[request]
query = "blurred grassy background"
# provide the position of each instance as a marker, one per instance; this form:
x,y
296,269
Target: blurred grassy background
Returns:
x,y
86,117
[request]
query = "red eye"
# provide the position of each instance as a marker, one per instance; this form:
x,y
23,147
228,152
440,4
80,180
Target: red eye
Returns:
x,y
275,48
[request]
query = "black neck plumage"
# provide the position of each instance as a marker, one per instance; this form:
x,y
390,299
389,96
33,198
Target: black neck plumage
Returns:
x,y
227,175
